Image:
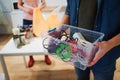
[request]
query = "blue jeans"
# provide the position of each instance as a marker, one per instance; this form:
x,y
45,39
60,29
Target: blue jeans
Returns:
x,y
27,23
103,73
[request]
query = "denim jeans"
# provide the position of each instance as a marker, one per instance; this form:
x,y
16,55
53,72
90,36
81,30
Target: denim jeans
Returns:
x,y
27,23
103,73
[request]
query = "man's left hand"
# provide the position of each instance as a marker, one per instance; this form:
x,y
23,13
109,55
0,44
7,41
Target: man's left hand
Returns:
x,y
104,47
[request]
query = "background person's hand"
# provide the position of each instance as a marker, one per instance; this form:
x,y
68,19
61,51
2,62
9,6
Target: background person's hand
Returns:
x,y
43,4
29,11
104,47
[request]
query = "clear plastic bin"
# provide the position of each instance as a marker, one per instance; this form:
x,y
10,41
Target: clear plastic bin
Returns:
x,y
72,44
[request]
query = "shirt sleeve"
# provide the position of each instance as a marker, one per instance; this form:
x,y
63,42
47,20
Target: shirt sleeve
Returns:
x,y
67,12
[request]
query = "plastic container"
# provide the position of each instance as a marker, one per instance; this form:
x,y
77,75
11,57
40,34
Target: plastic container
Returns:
x,y
72,44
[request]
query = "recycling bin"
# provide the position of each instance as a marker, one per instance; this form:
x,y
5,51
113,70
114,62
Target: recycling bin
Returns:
x,y
71,44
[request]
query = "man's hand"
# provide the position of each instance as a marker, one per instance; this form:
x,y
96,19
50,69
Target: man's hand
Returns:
x,y
104,47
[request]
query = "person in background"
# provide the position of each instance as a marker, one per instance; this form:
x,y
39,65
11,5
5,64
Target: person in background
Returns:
x,y
102,16
27,6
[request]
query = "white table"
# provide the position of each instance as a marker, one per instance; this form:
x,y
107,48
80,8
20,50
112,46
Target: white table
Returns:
x,y
1,76
34,48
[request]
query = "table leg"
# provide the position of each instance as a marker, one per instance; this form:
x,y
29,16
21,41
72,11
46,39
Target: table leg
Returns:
x,y
4,67
25,61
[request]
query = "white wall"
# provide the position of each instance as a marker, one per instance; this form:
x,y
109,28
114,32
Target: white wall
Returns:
x,y
56,2
5,18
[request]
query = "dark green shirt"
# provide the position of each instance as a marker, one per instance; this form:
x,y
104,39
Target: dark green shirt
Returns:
x,y
87,13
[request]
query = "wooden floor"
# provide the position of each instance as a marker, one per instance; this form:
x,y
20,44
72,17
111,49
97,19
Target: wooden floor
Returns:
x,y
58,70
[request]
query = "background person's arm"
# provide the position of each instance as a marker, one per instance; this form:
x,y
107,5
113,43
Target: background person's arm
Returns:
x,y
104,47
43,4
27,10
